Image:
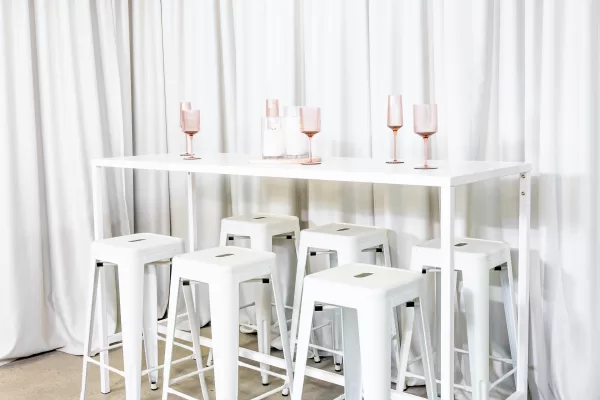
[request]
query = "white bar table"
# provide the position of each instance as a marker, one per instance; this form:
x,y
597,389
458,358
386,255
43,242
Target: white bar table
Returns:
x,y
447,177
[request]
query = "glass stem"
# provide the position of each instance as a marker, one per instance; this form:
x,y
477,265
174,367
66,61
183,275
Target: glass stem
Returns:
x,y
310,160
425,151
191,146
186,144
395,135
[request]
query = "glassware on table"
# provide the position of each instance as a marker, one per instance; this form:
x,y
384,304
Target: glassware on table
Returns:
x,y
184,105
295,142
426,124
310,125
191,126
272,108
394,120
273,145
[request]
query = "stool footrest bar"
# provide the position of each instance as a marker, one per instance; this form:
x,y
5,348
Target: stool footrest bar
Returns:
x,y
503,377
255,368
181,345
415,360
182,395
321,326
270,392
314,346
422,378
111,347
189,375
108,367
499,359
179,360
248,305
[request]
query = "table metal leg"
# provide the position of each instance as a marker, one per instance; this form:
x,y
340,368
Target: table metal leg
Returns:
x,y
101,298
192,232
523,284
448,288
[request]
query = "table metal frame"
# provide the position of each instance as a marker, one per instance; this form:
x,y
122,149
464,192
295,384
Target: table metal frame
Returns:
x,y
447,178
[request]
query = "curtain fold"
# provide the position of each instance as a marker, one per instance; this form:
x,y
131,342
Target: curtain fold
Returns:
x,y
515,81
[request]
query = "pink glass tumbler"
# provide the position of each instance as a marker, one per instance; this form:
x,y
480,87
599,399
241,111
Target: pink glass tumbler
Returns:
x,y
426,124
184,105
191,126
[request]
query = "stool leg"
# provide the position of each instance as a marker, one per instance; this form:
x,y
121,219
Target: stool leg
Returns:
x,y
173,298
91,309
477,302
195,332
281,318
263,300
437,329
132,278
223,241
150,323
426,351
387,257
506,277
303,338
224,311
352,367
346,256
103,325
400,379
407,333
375,348
300,273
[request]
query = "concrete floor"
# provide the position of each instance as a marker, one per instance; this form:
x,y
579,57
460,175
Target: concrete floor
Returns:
x,y
57,375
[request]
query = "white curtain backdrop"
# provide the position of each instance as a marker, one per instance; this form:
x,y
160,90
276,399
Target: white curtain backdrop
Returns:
x,y
515,81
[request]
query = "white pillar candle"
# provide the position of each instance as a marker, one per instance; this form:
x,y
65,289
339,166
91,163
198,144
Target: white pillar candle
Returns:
x,y
296,143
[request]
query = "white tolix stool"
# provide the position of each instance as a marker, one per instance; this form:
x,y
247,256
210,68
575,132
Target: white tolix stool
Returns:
x,y
348,242
261,229
224,269
367,294
474,259
135,257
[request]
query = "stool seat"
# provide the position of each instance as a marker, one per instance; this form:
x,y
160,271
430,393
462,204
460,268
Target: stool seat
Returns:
x,y
224,262
261,229
468,253
475,260
223,269
135,256
340,234
347,242
269,224
140,247
367,294
360,281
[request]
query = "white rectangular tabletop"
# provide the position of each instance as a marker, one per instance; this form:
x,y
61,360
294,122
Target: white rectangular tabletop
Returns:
x,y
346,169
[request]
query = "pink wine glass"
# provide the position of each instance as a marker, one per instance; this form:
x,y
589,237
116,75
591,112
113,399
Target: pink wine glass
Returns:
x,y
184,105
426,124
394,120
191,126
310,125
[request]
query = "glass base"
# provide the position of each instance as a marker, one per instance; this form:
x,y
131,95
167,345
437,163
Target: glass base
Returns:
x,y
311,163
185,154
426,167
394,162
191,157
